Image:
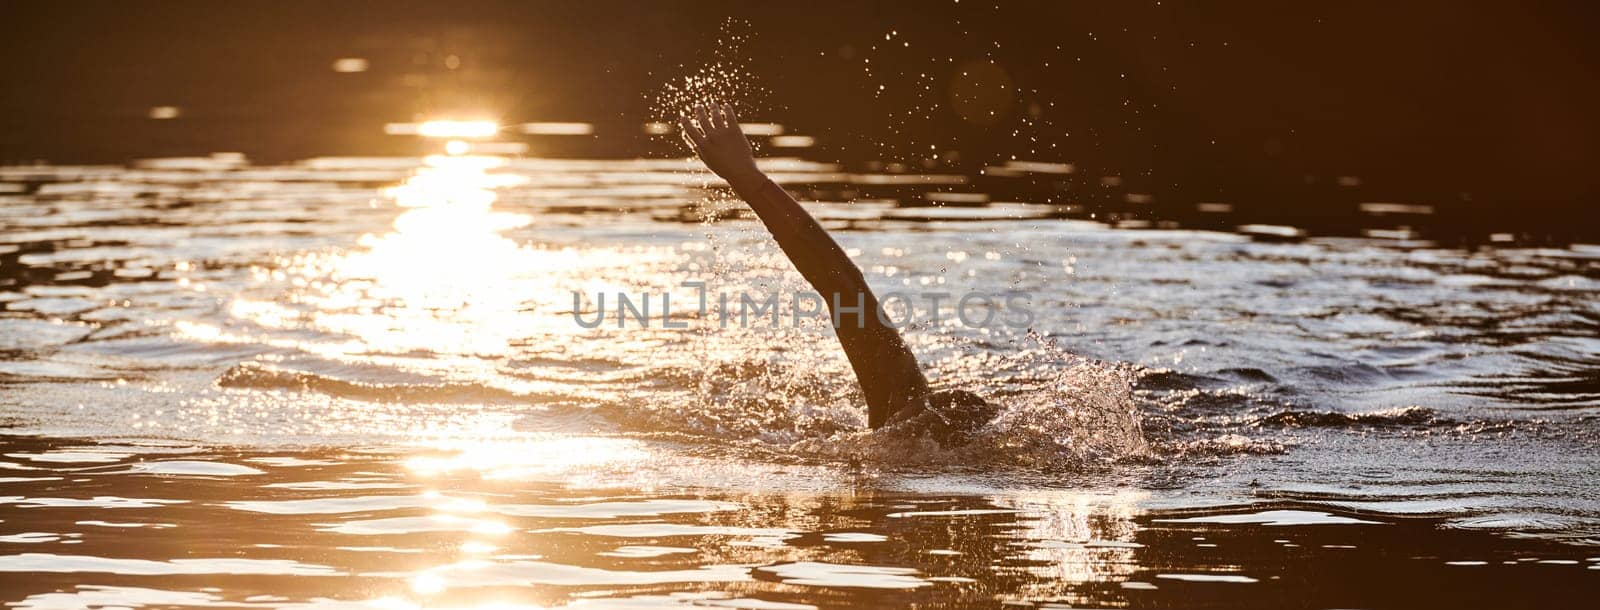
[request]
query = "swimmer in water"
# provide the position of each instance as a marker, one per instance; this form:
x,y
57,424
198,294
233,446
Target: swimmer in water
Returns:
x,y
897,393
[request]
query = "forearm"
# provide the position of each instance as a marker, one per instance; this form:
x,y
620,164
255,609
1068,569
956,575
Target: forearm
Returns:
x,y
812,250
885,367
773,205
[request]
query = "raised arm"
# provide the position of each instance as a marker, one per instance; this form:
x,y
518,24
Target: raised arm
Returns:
x,y
884,365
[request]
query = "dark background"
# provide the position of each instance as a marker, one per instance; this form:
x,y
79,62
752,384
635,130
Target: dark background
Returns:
x,y
1484,109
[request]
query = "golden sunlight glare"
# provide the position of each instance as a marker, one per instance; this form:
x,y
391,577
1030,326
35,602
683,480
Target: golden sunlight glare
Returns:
x,y
458,129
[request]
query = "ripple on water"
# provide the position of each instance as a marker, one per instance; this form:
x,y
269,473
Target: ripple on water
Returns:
x,y
24,333
953,513
101,596
415,525
36,537
127,524
1086,544
329,506
4,480
669,530
1275,517
1229,578
73,456
286,461
49,562
686,599
646,551
596,510
95,502
336,485
379,549
612,510
818,574
486,573
193,468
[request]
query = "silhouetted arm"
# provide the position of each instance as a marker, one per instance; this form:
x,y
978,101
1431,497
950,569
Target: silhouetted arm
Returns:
x,y
884,366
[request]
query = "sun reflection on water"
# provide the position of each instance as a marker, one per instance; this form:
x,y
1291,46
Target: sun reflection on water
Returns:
x,y
1067,538
451,295
530,459
446,280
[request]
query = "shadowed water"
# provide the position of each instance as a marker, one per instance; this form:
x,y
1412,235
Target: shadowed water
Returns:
x,y
1191,418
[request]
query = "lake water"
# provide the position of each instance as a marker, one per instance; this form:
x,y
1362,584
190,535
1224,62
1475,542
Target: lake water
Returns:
x,y
361,382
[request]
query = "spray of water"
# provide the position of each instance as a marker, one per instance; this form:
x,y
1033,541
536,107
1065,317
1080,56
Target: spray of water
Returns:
x,y
1066,411
744,388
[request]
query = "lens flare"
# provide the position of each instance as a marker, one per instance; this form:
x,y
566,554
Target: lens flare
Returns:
x,y
458,129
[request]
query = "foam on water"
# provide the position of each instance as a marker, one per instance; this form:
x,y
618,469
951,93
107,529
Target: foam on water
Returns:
x,y
1081,412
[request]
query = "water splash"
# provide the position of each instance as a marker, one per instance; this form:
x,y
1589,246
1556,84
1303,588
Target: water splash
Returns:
x,y
1069,412
1086,412
725,79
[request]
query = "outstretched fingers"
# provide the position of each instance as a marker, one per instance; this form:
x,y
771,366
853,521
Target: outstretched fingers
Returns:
x,y
718,119
701,124
692,135
707,115
702,116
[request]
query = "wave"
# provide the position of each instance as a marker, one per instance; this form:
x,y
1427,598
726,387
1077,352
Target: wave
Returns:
x,y
261,377
1221,445
1403,416
1057,411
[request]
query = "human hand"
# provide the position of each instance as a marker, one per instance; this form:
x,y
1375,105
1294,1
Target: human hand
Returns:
x,y
712,132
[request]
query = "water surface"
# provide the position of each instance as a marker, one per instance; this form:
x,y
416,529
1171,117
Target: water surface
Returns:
x,y
352,381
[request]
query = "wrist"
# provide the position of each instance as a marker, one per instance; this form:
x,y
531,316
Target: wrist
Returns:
x,y
745,177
